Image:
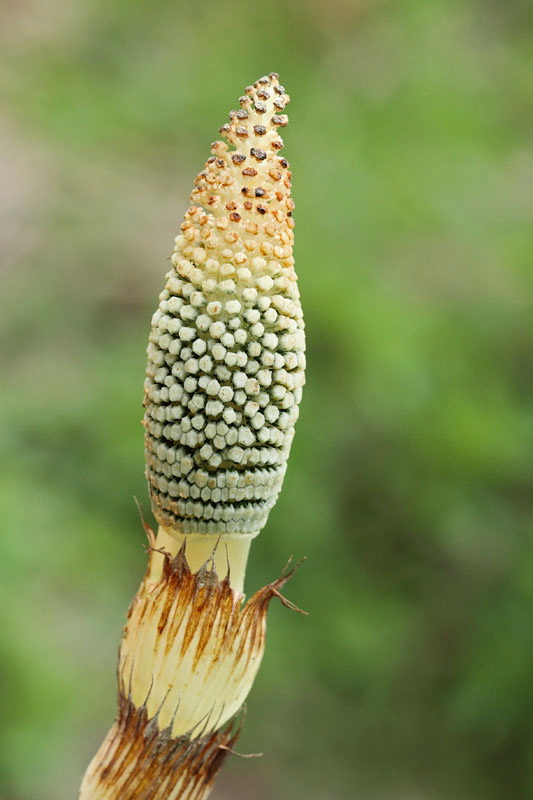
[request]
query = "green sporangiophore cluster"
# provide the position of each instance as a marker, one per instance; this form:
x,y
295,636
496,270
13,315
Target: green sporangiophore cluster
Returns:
x,y
226,354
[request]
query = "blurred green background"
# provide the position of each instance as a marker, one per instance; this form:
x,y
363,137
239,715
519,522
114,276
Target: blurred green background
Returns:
x,y
410,143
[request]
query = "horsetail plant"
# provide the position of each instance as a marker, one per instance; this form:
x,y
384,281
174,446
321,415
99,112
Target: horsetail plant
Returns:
x,y
224,379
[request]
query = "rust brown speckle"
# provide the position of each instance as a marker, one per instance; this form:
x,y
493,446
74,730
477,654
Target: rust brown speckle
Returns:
x,y
258,154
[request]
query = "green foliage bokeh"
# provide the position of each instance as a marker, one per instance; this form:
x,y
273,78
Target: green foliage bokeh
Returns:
x,y
408,485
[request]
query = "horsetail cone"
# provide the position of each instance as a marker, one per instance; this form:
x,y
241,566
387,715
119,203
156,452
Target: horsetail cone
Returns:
x,y
226,349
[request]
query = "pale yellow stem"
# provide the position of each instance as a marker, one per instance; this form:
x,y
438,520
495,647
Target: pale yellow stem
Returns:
x,y
227,549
